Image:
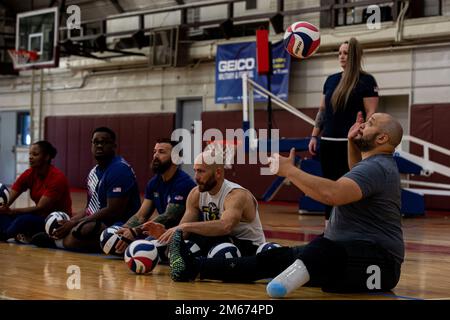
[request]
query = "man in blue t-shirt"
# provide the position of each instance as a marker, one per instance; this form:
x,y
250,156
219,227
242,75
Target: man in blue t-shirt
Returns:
x,y
166,193
113,196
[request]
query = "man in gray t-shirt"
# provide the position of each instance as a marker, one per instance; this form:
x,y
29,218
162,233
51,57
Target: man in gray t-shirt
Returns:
x,y
376,217
362,248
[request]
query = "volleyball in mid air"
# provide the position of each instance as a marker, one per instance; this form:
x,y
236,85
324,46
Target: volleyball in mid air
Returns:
x,y
302,39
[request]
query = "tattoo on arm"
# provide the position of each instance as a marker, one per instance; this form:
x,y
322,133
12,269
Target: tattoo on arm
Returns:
x,y
148,214
172,216
135,221
320,119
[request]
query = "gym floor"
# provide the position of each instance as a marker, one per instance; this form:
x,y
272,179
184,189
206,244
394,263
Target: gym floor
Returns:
x,y
27,272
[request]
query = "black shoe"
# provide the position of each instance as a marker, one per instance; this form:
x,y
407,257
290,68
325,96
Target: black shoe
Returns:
x,y
182,266
43,240
163,253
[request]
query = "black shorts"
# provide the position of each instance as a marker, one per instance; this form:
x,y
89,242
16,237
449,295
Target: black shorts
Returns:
x,y
350,266
246,247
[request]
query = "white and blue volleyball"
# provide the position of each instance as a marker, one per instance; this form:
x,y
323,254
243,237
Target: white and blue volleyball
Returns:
x,y
301,39
141,256
4,195
53,219
267,246
108,240
224,250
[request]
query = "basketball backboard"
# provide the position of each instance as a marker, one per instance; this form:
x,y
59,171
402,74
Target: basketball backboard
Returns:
x,y
38,31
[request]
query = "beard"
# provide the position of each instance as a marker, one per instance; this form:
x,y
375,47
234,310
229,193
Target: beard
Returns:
x,y
208,185
103,157
365,144
159,167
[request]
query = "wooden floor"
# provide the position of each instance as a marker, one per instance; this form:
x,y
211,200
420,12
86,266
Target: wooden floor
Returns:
x,y
27,272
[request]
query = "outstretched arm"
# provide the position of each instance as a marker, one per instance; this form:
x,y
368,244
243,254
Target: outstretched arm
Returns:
x,y
327,191
44,206
142,215
130,229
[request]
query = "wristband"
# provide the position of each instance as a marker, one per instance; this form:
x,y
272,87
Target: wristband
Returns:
x,y
133,232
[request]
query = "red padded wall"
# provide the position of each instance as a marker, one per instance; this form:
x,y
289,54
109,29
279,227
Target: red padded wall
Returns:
x,y
136,136
431,123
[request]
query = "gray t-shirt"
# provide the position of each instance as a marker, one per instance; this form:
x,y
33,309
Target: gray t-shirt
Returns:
x,y
376,217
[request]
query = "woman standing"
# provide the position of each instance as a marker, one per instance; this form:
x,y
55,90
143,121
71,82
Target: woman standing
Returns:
x,y
49,189
344,95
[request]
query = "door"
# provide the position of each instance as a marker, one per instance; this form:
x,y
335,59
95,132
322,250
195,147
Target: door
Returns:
x,y
188,111
8,136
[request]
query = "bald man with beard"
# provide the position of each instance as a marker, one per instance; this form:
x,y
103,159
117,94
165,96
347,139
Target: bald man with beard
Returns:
x,y
362,248
217,210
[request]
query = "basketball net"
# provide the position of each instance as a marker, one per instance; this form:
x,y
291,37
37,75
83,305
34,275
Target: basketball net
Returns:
x,y
223,150
22,57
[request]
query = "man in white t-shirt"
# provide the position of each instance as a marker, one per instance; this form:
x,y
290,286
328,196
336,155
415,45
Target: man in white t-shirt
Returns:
x,y
217,210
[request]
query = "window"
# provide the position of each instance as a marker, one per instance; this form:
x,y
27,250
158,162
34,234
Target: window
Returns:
x,y
250,4
432,8
359,14
23,129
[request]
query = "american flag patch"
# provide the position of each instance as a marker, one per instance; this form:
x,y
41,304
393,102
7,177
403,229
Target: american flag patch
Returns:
x,y
117,189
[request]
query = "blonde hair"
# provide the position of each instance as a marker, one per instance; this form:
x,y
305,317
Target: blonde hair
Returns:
x,y
350,75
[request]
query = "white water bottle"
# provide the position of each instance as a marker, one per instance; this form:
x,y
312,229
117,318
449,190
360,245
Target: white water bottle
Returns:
x,y
290,279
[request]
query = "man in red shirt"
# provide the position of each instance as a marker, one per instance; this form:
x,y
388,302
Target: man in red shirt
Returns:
x,y
49,189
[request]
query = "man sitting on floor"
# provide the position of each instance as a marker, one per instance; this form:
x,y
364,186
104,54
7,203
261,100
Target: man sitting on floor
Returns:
x,y
364,233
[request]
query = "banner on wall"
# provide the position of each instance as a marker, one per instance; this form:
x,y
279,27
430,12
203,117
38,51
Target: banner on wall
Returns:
x,y
233,60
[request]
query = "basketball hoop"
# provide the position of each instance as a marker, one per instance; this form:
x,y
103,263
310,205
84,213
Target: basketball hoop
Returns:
x,y
225,147
21,58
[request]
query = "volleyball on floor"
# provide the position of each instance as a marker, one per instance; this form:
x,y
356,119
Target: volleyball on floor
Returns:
x,y
225,251
302,39
4,194
141,256
53,219
109,239
267,246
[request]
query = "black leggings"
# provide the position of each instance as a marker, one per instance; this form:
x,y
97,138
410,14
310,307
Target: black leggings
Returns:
x,y
333,266
334,162
246,247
